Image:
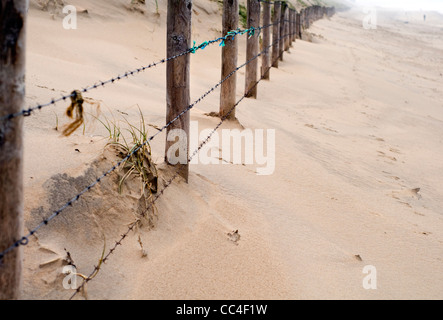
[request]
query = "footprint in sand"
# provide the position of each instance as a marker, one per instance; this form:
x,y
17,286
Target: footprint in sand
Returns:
x,y
394,150
331,130
325,128
377,138
384,155
310,126
234,236
406,195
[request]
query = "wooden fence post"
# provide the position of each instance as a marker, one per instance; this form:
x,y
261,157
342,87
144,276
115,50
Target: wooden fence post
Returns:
x,y
292,29
252,49
303,20
298,26
229,59
295,25
276,33
12,97
282,30
177,82
308,18
266,59
287,29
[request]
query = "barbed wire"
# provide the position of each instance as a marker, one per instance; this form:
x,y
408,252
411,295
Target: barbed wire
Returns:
x,y
169,182
27,112
122,237
25,239
226,116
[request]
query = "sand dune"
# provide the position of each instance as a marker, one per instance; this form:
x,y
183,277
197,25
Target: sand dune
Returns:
x,y
358,117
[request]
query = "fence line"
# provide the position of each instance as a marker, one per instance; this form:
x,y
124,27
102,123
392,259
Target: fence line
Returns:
x,y
308,16
194,49
288,32
25,239
169,182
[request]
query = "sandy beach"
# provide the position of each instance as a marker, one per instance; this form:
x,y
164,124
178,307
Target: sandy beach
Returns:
x,y
358,118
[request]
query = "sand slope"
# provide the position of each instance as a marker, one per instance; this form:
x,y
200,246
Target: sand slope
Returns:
x,y
358,117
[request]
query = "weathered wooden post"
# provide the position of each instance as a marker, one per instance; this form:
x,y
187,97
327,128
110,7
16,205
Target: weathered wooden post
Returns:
x,y
300,22
281,45
177,83
303,20
12,97
229,59
291,27
266,59
287,29
276,34
252,49
298,25
294,25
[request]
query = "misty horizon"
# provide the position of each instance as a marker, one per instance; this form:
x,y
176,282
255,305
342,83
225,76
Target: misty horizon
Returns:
x,y
408,5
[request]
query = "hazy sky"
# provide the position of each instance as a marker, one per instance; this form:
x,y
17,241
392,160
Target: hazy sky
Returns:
x,y
405,4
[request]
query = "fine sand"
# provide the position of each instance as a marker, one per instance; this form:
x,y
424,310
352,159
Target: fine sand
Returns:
x,y
358,116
